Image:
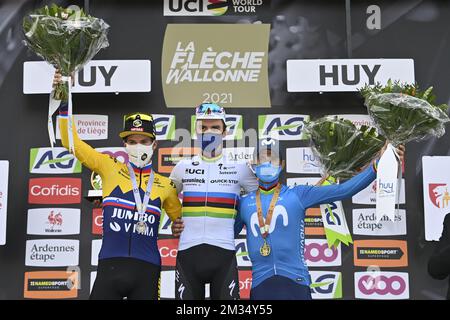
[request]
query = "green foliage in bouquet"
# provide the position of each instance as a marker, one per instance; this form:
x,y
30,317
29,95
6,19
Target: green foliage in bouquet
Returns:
x,y
341,147
67,38
402,112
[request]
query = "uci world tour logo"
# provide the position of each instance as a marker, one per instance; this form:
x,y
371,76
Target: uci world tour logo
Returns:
x,y
218,7
214,7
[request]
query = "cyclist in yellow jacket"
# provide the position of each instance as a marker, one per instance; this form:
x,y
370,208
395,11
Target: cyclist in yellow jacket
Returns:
x,y
133,198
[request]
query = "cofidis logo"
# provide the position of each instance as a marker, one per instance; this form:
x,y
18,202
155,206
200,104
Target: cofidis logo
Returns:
x,y
54,190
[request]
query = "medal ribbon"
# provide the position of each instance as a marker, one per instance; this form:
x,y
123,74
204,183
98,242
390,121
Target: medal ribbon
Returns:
x,y
141,204
264,225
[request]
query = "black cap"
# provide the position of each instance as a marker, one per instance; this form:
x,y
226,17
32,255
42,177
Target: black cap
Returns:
x,y
138,123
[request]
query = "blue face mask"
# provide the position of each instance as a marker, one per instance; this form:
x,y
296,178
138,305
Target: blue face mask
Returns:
x,y
210,142
267,172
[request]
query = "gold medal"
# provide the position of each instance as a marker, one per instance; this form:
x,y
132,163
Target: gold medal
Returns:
x,y
264,226
141,227
265,249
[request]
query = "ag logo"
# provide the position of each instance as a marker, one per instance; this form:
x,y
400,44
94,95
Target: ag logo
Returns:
x,y
332,213
164,126
233,124
165,224
326,285
57,161
282,126
243,260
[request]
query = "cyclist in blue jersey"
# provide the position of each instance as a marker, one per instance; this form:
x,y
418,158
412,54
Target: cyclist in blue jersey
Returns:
x,y
274,218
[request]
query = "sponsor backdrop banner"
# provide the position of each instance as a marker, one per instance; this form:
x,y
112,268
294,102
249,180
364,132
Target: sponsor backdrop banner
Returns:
x,y
436,196
274,66
4,179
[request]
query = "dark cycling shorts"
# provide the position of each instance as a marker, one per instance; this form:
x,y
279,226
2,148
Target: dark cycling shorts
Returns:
x,y
280,288
132,278
203,264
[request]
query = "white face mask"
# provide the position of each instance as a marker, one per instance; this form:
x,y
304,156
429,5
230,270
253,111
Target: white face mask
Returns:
x,y
139,154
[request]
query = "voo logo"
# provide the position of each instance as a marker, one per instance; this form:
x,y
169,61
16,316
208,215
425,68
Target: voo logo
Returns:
x,y
316,252
381,285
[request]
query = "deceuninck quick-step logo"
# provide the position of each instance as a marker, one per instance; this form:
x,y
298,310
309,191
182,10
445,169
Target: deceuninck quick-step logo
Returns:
x,y
283,126
202,63
164,126
214,7
233,123
326,284
53,161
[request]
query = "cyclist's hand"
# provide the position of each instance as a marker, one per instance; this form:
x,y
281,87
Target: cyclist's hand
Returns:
x,y
401,152
177,227
57,78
